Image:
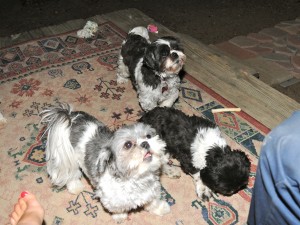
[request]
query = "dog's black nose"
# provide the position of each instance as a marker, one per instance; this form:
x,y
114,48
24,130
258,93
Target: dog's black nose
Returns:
x,y
174,55
145,145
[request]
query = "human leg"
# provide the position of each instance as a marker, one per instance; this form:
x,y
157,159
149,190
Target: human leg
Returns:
x,y
276,196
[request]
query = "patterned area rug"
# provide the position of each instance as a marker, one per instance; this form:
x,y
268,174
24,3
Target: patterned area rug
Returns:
x,y
64,68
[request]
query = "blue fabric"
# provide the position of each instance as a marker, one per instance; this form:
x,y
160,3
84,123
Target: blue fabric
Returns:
x,y
276,193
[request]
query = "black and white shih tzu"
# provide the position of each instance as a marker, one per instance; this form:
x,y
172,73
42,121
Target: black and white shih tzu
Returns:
x,y
203,153
153,68
123,166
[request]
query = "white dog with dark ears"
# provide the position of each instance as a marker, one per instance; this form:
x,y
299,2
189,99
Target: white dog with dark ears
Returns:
x,y
198,145
122,166
153,68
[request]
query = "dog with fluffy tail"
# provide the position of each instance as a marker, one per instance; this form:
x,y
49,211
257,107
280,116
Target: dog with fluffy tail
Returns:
x,y
123,166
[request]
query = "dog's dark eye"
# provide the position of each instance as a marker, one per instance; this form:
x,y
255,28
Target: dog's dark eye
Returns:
x,y
164,53
148,136
128,145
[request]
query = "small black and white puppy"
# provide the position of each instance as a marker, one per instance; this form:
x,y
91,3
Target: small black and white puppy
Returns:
x,y
153,68
203,153
123,166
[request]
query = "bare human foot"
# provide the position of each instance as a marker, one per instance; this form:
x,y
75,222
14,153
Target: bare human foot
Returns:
x,y
27,211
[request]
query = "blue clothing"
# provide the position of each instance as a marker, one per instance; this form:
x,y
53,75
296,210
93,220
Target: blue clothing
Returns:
x,y
276,193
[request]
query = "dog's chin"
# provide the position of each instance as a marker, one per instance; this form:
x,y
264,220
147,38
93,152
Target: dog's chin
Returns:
x,y
229,192
173,69
150,164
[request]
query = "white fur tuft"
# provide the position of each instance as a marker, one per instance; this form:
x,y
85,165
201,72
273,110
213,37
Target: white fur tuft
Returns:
x,y
158,145
162,42
205,139
142,31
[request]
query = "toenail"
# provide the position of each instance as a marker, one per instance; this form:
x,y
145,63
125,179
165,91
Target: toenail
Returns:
x,y
24,193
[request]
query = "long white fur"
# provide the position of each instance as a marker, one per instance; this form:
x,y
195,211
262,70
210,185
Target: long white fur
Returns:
x,y
205,139
61,161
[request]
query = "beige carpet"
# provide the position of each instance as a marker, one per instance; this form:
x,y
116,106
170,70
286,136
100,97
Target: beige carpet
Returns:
x,y
64,68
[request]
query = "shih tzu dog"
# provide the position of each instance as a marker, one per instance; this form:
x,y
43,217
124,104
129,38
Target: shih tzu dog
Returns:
x,y
153,68
122,166
201,150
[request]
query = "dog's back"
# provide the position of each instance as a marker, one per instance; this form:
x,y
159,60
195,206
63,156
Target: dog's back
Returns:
x,y
134,47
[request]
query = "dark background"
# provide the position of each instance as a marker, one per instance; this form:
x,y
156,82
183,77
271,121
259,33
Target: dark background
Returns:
x,y
210,21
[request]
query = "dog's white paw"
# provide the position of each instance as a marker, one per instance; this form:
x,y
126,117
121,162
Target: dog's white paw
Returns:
x,y
162,209
204,193
166,103
121,80
75,187
146,104
158,207
119,217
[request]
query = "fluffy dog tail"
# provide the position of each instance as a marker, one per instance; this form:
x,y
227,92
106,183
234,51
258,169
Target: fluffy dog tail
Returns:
x,y
142,31
61,163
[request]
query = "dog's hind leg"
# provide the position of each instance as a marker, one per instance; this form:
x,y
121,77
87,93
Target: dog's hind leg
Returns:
x,y
122,72
74,185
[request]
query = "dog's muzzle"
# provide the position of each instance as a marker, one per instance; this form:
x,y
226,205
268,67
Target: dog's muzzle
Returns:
x,y
148,155
145,145
174,56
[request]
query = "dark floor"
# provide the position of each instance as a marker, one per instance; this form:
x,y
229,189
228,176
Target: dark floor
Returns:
x,y
210,21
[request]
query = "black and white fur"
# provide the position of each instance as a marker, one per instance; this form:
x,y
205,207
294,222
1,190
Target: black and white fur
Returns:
x,y
153,68
203,153
122,166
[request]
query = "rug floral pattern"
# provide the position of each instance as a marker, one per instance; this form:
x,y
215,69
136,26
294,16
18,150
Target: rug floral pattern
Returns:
x,y
64,68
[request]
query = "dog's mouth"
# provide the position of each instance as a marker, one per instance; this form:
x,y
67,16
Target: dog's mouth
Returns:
x,y
148,156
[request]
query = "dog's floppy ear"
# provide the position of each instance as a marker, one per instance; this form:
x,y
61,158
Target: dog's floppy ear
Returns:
x,y
174,42
104,158
149,58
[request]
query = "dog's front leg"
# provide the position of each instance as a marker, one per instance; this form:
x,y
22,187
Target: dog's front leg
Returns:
x,y
158,207
147,103
170,100
202,190
120,217
122,72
